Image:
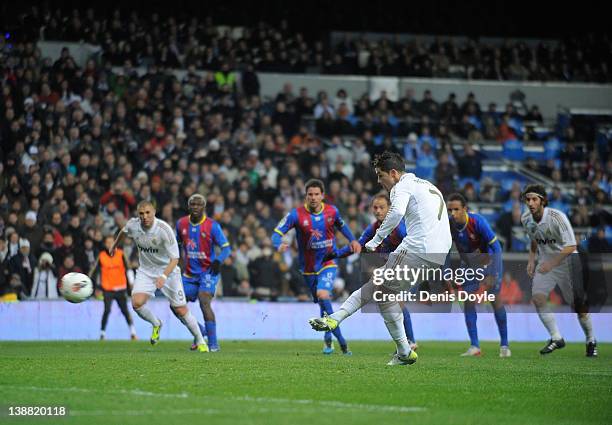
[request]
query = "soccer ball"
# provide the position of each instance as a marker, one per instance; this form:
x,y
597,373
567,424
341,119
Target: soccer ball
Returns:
x,y
76,287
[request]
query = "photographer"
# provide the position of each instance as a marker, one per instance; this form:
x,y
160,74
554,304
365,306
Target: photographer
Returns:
x,y
45,280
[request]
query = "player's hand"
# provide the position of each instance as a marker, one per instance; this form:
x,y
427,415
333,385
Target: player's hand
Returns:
x,y
215,266
448,287
545,267
160,282
530,268
487,283
330,255
283,247
370,246
355,247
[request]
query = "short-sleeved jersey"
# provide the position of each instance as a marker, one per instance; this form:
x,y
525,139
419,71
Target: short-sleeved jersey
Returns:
x,y
423,210
390,243
475,236
156,246
197,242
553,233
316,235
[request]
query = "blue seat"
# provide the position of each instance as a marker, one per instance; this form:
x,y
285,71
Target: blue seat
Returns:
x,y
513,150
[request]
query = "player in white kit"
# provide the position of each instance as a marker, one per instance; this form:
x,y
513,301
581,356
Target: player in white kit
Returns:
x,y
425,246
552,237
158,257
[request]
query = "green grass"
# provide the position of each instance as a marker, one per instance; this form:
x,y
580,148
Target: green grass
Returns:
x,y
292,383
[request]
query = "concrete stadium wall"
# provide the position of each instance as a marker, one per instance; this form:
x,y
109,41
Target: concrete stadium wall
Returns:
x,y
59,320
548,96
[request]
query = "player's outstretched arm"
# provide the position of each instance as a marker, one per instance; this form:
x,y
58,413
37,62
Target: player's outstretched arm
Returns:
x,y
118,240
94,268
354,245
286,224
399,204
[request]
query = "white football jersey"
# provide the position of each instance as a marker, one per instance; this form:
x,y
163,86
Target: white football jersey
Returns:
x,y
422,207
156,246
553,233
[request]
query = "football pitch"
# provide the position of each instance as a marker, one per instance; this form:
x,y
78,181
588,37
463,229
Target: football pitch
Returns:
x,y
292,383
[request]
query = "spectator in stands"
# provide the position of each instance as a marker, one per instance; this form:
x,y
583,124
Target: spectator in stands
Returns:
x,y
68,266
426,163
510,292
342,98
556,200
265,276
445,175
22,264
506,222
324,107
470,163
45,284
598,243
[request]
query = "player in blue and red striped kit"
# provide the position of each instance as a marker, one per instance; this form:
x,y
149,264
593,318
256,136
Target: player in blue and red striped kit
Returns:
x,y
197,236
380,207
315,224
473,235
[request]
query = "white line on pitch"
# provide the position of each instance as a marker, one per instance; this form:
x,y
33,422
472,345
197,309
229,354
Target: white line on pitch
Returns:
x,y
246,398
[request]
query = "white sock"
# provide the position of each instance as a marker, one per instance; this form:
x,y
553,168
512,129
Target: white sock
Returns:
x,y
587,326
132,330
394,320
192,324
147,315
102,333
548,319
354,302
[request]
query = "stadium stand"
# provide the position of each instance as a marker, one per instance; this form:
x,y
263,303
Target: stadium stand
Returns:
x,y
82,145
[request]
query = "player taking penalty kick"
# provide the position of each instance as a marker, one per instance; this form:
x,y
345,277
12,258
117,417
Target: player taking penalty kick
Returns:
x,y
158,257
425,246
315,225
380,206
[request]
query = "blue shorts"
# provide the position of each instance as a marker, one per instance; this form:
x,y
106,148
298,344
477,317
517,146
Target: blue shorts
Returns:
x,y
205,282
322,281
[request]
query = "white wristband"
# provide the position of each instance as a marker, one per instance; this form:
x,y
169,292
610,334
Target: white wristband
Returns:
x,y
164,276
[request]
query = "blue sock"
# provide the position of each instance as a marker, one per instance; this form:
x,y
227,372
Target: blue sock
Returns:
x,y
502,325
211,331
408,324
327,336
469,310
202,328
326,306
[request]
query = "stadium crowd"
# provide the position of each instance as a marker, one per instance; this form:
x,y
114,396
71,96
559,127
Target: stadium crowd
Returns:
x,y
81,146
181,42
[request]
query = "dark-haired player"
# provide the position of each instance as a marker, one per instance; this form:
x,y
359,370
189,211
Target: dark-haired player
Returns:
x,y
425,247
552,238
380,206
473,235
315,224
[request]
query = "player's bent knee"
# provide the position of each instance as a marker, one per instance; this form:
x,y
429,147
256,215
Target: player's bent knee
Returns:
x,y
323,294
180,310
138,300
539,300
205,298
